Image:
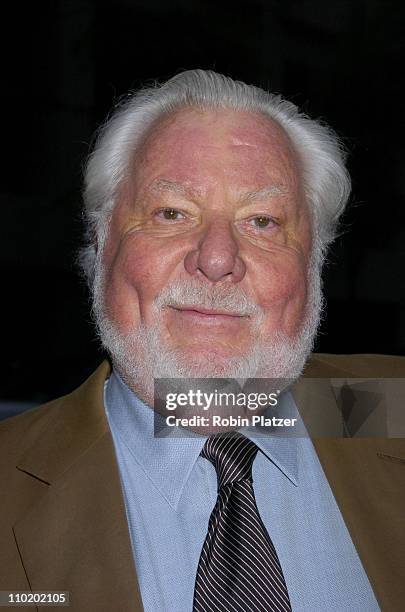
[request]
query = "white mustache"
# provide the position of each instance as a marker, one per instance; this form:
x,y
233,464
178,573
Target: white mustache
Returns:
x,y
188,294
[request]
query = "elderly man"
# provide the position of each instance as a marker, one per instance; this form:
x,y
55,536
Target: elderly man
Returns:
x,y
210,206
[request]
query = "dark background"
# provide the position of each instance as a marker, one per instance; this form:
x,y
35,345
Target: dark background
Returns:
x,y
65,62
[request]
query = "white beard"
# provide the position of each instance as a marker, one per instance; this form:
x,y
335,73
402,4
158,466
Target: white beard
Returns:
x,y
142,355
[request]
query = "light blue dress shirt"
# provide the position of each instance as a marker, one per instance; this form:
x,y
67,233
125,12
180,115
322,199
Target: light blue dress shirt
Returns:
x,y
170,491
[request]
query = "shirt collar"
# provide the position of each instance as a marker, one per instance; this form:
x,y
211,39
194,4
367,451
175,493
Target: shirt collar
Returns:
x,y
168,461
282,450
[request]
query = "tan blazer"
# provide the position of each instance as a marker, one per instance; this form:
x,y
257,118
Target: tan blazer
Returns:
x,y
63,524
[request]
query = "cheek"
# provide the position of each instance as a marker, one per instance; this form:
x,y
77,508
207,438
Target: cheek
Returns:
x,y
283,295
136,275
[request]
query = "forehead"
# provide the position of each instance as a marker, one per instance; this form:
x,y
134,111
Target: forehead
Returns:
x,y
200,148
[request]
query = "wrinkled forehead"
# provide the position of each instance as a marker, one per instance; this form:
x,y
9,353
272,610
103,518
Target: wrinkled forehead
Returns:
x,y
199,147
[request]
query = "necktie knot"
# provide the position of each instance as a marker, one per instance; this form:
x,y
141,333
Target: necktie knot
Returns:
x,y
232,456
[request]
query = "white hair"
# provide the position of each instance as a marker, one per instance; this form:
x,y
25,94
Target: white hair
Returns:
x,y
324,177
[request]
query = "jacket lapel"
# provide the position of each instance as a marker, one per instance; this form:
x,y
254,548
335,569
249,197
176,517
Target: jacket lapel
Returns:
x,y
74,535
366,475
367,478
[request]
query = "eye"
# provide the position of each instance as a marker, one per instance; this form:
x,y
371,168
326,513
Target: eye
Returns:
x,y
170,214
262,221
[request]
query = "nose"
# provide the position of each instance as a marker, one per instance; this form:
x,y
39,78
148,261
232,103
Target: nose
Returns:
x,y
217,255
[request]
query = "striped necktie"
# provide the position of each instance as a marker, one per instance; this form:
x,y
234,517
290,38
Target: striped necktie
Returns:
x,y
239,570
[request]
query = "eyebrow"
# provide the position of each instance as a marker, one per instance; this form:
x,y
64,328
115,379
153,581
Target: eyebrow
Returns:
x,y
183,190
265,193
173,187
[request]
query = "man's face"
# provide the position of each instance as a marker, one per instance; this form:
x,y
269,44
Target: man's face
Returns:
x,y
214,205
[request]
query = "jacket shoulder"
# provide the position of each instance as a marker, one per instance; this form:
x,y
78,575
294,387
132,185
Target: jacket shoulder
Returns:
x,y
21,432
326,365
